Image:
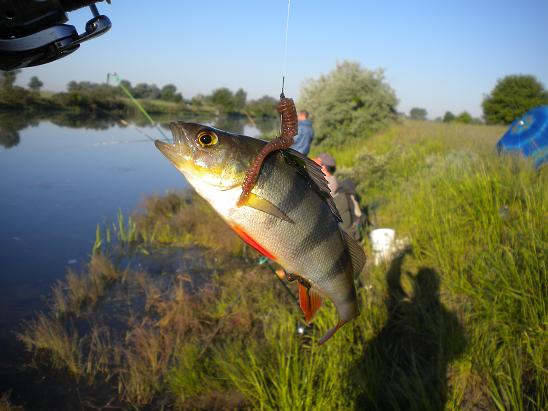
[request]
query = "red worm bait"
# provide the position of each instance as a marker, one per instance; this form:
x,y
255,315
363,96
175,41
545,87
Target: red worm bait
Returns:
x,y
289,129
288,113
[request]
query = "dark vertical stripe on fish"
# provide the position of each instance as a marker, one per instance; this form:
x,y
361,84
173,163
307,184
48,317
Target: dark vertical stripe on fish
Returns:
x,y
343,261
313,238
294,195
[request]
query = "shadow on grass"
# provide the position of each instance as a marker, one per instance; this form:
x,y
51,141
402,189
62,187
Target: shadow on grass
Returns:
x,y
404,367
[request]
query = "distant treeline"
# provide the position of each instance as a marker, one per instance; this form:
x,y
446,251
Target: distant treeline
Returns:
x,y
85,96
419,113
350,101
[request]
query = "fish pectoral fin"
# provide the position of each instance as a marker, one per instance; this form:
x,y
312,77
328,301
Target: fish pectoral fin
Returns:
x,y
262,204
309,301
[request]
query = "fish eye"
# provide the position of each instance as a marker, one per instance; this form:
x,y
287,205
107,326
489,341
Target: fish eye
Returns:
x,y
207,138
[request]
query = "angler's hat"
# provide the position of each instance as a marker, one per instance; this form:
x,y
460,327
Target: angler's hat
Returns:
x,y
327,160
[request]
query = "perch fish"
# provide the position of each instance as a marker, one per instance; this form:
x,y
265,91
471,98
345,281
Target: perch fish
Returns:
x,y
289,215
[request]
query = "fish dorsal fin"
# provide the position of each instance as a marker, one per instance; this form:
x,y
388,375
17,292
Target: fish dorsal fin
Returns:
x,y
355,250
259,203
314,174
309,301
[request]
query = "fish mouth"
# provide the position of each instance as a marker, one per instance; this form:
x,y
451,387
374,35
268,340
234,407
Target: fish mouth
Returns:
x,y
174,153
180,151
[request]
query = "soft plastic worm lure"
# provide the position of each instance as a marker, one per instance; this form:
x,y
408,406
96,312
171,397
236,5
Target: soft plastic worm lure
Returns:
x,y
289,129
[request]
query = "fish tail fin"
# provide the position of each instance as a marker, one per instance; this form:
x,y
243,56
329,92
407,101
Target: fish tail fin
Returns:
x,y
331,332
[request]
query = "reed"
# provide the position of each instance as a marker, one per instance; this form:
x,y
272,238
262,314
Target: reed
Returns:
x,y
79,292
48,335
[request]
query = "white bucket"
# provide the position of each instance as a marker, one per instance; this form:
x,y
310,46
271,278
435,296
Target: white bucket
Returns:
x,y
382,242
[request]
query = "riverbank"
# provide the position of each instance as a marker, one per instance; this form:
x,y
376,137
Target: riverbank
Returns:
x,y
105,99
455,321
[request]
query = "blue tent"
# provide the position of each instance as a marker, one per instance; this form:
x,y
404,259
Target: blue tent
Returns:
x,y
528,134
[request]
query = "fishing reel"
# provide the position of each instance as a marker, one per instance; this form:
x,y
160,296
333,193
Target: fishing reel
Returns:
x,y
32,32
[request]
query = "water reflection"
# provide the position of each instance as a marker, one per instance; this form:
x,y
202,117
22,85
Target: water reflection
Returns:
x,y
231,124
90,121
267,125
12,123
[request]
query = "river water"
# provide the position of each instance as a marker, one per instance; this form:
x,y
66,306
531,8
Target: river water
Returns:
x,y
59,179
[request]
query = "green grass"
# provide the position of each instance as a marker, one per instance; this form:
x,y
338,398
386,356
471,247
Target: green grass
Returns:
x,y
457,320
478,220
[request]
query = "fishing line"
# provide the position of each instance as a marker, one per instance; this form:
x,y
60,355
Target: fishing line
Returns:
x,y
138,105
126,123
284,72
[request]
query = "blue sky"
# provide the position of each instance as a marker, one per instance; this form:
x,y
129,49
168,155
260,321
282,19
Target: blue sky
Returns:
x,y
440,55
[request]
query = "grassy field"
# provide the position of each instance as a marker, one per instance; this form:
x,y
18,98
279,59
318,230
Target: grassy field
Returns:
x,y
456,320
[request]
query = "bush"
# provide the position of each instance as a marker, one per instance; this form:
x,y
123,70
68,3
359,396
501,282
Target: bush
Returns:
x,y
15,98
350,101
101,100
512,97
464,118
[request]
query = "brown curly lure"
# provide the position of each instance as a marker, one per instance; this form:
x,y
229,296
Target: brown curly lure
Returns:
x,y
289,129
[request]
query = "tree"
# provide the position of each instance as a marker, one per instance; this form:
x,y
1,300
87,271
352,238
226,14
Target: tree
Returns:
x,y
348,102
126,84
448,117
417,113
35,84
512,97
240,98
223,99
168,92
9,77
263,107
144,90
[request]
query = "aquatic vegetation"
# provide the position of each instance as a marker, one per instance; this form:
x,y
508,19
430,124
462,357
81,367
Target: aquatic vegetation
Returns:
x,y
172,220
456,321
82,291
47,334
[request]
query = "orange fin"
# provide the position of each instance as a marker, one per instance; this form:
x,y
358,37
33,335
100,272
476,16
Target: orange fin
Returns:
x,y
249,240
330,333
309,300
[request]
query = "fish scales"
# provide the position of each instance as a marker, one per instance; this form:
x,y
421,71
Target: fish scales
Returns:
x,y
305,246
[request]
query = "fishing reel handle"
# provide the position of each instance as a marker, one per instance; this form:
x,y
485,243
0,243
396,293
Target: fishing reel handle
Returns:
x,y
32,32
